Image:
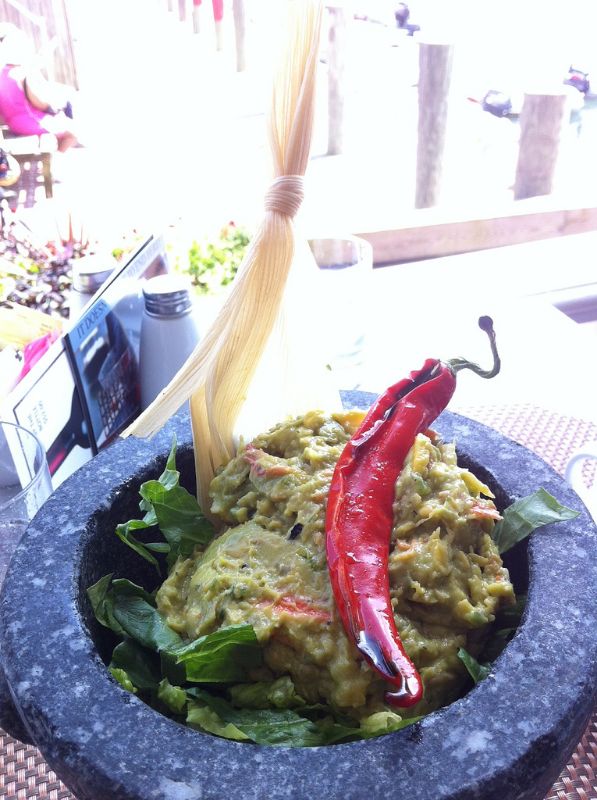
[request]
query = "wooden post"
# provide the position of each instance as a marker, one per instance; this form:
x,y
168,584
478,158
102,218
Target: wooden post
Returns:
x,y
435,72
218,9
337,41
541,122
240,28
196,16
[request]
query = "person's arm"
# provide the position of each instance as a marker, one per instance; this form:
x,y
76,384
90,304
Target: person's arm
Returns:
x,y
41,93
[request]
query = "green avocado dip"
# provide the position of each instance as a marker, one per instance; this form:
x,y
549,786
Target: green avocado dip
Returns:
x,y
267,568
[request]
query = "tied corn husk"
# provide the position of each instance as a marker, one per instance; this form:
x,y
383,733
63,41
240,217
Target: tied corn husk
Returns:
x,y
218,374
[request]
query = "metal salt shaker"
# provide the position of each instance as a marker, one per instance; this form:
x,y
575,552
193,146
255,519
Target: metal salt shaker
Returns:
x,y
169,333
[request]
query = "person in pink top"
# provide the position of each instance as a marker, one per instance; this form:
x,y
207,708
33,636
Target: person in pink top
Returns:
x,y
29,104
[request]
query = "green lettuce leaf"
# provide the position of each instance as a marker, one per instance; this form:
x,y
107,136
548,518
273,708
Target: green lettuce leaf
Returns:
x,y
477,671
124,533
143,623
288,728
266,694
202,717
225,656
174,510
179,518
123,679
141,665
526,515
130,611
102,603
383,722
282,727
173,697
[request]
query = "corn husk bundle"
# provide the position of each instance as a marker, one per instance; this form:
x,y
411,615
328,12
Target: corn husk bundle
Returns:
x,y
218,374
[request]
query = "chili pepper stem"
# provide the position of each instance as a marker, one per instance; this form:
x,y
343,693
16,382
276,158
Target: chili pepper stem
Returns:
x,y
456,364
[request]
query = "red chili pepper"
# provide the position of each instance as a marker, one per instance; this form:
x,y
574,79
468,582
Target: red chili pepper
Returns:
x,y
359,515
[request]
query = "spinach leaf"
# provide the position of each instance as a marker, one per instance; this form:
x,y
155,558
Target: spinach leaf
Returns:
x,y
171,669
288,728
143,623
224,656
282,727
202,717
123,679
102,603
124,533
130,611
266,694
141,665
124,588
383,722
176,512
478,672
173,697
526,515
179,518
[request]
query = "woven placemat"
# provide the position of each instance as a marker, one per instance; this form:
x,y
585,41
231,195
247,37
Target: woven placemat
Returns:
x,y
24,775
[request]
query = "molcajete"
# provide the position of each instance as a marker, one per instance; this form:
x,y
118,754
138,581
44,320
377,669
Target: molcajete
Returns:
x,y
508,738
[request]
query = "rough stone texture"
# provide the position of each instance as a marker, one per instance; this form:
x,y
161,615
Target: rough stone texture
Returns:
x,y
507,739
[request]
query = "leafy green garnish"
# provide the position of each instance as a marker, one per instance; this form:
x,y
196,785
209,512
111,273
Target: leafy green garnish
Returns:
x,y
203,718
224,656
174,510
384,722
526,515
173,697
478,672
143,623
141,665
124,533
282,727
287,727
123,679
130,611
266,694
102,603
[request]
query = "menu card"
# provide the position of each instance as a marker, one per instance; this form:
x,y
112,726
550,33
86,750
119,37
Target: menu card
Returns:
x,y
85,389
103,345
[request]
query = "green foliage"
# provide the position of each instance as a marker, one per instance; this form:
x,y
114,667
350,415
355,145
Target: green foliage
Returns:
x,y
526,515
212,264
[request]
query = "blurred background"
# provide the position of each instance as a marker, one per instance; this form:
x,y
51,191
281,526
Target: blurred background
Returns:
x,y
170,100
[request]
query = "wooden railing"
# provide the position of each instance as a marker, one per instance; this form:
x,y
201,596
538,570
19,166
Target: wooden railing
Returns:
x,y
46,23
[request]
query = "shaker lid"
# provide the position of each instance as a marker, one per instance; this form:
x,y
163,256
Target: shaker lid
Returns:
x,y
167,295
90,272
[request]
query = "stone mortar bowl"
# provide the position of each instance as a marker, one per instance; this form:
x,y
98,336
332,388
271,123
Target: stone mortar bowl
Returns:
x,y
507,738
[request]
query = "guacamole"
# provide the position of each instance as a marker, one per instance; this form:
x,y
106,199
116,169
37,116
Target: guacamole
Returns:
x,y
268,566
